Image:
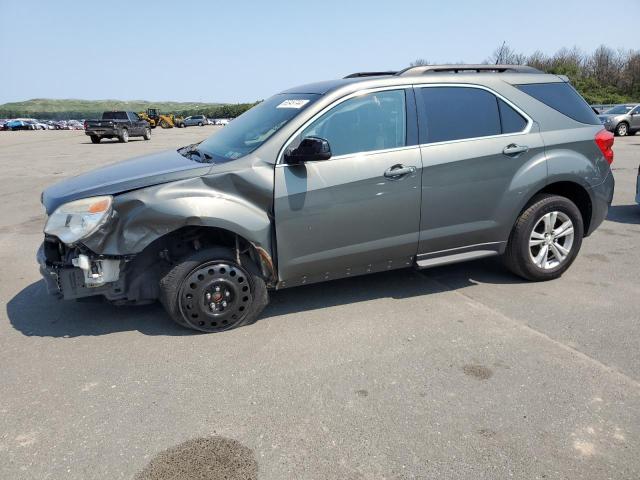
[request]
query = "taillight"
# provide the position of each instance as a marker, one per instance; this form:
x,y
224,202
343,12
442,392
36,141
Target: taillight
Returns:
x,y
85,124
604,140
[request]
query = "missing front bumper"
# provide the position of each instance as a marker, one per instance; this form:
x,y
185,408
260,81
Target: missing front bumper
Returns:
x,y
87,279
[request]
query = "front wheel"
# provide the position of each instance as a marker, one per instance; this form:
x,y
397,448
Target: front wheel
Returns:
x,y
210,292
622,130
545,239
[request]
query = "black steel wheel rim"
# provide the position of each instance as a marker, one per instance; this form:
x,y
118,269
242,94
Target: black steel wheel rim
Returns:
x,y
215,296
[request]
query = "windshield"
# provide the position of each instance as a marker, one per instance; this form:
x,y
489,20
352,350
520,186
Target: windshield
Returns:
x,y
619,109
254,127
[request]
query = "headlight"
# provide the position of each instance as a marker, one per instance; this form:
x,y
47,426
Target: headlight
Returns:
x,y
76,220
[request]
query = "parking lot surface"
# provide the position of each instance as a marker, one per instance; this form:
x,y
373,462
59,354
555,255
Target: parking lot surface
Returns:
x,y
461,372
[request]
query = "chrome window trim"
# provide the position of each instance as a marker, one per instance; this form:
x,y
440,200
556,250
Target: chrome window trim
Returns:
x,y
334,104
525,131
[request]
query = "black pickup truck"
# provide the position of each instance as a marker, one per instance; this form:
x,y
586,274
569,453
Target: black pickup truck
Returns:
x,y
120,125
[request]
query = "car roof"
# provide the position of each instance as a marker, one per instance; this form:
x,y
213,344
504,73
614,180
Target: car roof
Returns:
x,y
428,75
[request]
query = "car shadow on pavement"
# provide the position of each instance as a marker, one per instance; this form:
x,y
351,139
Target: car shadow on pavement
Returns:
x,y
624,214
394,285
35,313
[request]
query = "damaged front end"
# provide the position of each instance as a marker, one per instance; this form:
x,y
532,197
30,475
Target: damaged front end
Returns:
x,y
121,244
74,272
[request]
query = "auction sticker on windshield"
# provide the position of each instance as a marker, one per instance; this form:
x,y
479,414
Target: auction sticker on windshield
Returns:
x,y
293,104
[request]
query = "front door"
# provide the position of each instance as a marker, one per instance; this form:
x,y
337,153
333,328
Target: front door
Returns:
x,y
635,118
359,211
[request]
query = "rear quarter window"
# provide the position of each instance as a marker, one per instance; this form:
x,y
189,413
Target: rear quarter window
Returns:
x,y
563,98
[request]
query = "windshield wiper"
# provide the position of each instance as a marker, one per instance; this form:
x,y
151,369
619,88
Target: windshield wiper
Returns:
x,y
191,150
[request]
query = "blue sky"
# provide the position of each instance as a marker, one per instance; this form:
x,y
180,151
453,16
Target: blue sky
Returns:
x,y
235,50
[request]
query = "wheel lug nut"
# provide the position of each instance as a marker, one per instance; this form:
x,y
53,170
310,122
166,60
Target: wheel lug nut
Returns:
x,y
212,306
208,296
227,294
224,304
217,289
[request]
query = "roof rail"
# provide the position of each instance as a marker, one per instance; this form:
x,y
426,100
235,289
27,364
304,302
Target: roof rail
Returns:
x,y
423,69
369,74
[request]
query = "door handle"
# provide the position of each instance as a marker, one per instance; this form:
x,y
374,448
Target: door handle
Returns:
x,y
513,150
397,171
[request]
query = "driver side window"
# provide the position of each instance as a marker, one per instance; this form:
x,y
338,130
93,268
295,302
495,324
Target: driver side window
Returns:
x,y
374,121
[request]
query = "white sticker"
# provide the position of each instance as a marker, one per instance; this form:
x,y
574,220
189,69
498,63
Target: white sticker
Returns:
x,y
293,104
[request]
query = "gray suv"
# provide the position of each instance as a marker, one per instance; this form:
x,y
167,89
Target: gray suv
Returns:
x,y
376,171
199,120
623,120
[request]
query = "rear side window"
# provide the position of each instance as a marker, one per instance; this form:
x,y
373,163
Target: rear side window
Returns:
x,y
454,113
563,98
511,121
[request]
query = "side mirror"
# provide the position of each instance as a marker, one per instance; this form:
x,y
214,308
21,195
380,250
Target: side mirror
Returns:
x,y
310,149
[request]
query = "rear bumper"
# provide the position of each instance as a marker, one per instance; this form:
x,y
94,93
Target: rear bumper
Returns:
x,y
601,198
102,132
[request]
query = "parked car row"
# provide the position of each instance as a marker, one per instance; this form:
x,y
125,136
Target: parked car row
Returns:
x,y
33,124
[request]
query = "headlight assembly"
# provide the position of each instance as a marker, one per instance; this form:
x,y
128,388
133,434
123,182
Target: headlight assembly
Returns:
x,y
76,220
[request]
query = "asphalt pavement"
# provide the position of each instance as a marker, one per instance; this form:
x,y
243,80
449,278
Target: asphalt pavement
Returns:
x,y
458,372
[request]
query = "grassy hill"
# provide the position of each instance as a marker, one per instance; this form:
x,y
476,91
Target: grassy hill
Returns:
x,y
47,108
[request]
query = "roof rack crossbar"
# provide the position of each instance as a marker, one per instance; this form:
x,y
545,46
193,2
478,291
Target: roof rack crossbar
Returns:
x,y
370,74
424,69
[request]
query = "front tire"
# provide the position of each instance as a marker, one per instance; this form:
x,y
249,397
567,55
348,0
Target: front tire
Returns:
x,y
210,292
622,130
545,239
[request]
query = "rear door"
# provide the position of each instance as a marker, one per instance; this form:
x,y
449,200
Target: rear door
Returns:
x,y
480,155
352,214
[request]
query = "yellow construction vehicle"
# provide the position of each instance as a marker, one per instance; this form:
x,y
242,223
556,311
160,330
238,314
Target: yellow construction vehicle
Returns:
x,y
165,120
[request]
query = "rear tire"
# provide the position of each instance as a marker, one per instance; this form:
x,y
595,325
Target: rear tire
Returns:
x,y
124,136
210,292
545,239
95,139
147,134
622,130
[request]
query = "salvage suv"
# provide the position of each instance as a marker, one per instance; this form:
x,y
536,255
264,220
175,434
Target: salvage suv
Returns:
x,y
377,171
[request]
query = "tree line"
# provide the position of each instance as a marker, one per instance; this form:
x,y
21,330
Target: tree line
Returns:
x,y
602,77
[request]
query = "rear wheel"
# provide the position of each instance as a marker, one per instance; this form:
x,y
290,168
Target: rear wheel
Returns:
x,y
210,291
164,124
622,130
545,239
95,139
147,134
124,136
200,124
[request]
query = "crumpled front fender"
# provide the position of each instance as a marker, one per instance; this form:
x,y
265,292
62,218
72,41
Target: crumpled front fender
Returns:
x,y
237,201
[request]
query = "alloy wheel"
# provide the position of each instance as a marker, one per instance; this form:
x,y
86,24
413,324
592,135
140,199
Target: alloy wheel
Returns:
x,y
551,240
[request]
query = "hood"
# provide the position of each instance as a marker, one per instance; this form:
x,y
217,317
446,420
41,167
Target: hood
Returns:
x,y
121,177
604,117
